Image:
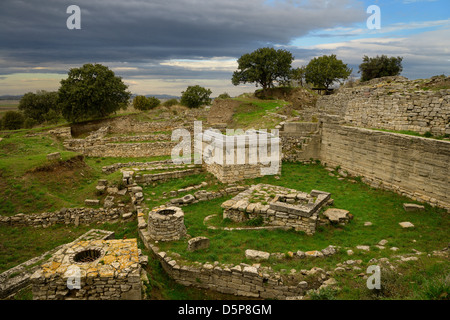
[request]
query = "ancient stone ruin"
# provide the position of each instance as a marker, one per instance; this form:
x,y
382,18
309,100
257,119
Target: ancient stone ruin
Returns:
x,y
91,270
166,224
277,206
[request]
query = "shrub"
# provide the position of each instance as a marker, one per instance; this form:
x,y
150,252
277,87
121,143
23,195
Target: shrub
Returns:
x,y
145,103
170,103
13,120
29,123
224,96
256,222
195,96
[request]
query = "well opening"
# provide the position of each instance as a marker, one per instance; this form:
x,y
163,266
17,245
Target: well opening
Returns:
x,y
87,256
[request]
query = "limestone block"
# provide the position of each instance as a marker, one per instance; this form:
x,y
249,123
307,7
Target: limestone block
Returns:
x,y
256,255
198,243
411,207
406,225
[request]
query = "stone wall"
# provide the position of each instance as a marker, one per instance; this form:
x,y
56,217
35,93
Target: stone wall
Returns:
x,y
113,275
145,179
300,141
393,104
71,216
412,166
241,280
100,148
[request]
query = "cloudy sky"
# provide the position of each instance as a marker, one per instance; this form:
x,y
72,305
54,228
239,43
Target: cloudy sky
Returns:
x,y
163,46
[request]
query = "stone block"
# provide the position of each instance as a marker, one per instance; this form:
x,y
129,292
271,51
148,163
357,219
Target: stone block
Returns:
x,y
53,156
256,255
198,243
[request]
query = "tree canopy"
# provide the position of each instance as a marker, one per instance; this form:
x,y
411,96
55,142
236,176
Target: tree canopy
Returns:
x,y
324,71
91,91
39,106
195,96
378,67
264,66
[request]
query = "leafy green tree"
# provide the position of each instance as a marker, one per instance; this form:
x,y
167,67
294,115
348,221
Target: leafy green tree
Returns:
x,y
264,66
324,71
92,91
378,67
195,96
37,105
298,74
12,120
145,103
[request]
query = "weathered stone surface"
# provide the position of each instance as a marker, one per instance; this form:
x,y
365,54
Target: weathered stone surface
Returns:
x,y
198,243
337,215
256,255
364,248
53,156
412,207
406,225
91,203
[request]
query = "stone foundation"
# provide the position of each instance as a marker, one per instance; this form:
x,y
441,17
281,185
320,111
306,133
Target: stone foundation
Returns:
x,y
91,270
166,224
277,206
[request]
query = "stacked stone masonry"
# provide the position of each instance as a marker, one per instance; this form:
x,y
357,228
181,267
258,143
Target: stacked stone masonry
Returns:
x,y
412,166
277,206
70,216
396,104
113,275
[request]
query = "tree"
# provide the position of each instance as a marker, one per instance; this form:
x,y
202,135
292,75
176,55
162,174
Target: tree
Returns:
x,y
145,103
40,105
298,74
195,96
378,67
324,71
12,120
265,66
92,91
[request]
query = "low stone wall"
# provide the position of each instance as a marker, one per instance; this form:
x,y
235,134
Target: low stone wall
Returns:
x,y
241,280
71,216
146,179
135,150
411,166
154,165
277,212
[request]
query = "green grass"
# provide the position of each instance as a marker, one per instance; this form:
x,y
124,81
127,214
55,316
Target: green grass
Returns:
x,y
414,133
384,209
250,114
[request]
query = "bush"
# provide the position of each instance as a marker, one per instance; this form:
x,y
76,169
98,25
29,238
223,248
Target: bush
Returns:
x,y
145,103
13,120
170,103
256,222
195,96
29,123
224,96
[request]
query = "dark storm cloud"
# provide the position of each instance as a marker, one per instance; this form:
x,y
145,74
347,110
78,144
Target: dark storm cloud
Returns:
x,y
34,33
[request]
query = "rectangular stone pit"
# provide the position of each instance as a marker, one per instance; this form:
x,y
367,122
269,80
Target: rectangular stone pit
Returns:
x,y
278,206
90,270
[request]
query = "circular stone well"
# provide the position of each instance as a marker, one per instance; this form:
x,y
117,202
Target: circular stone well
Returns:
x,y
166,224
